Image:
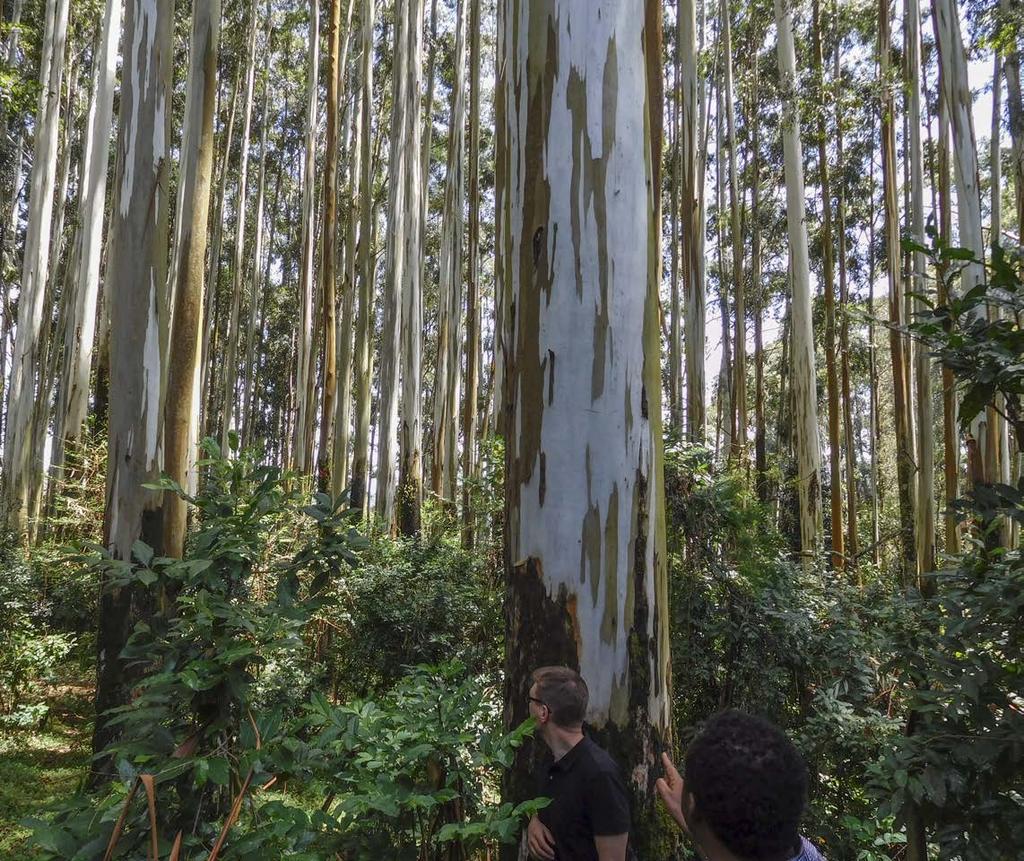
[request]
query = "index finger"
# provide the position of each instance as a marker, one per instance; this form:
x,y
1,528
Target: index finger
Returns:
x,y
670,768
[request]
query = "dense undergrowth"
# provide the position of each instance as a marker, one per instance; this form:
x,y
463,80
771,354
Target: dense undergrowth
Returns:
x,y
313,692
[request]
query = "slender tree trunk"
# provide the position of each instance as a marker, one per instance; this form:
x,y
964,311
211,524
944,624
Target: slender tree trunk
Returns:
x,y
469,403
900,372
828,287
443,461
306,361
875,433
760,430
692,193
80,332
343,402
181,410
852,549
26,362
229,375
675,361
808,452
739,385
925,525
959,103
410,474
1015,111
329,253
584,498
259,283
136,274
363,372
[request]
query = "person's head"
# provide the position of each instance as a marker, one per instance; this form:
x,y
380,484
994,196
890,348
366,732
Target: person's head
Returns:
x,y
558,695
746,783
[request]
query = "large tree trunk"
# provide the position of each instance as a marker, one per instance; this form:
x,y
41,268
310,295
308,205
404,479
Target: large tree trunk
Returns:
x,y
19,473
447,376
181,400
136,275
80,331
584,555
363,371
805,406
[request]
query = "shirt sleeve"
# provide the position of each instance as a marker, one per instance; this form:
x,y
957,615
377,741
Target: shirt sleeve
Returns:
x,y
607,803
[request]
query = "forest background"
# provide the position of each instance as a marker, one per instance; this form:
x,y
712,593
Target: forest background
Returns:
x,y
294,498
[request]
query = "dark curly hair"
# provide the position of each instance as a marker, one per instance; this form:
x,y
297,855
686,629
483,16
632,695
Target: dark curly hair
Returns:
x,y
749,784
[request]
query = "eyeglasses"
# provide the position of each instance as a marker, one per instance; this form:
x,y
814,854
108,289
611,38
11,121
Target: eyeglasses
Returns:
x,y
539,702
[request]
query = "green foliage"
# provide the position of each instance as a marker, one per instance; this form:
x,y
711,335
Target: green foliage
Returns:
x,y
212,723
414,603
29,655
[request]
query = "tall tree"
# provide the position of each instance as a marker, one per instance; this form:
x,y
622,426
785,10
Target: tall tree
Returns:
x,y
80,331
897,344
925,525
181,399
469,401
828,287
19,472
363,370
584,550
305,357
410,430
136,274
444,459
692,193
805,406
229,375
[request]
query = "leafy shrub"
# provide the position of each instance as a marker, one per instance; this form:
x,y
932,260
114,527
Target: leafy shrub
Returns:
x,y
414,603
29,655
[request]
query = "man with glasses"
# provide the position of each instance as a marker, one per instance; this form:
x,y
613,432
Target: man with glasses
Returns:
x,y
588,818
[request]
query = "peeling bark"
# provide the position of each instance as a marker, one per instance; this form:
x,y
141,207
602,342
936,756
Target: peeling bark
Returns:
x,y
584,555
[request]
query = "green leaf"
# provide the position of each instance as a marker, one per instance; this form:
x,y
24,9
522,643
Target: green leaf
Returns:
x,y
143,552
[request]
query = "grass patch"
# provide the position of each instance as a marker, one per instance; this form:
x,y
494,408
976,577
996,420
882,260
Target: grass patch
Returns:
x,y
41,766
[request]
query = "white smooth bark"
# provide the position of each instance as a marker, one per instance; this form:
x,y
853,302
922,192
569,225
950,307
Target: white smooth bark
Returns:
x,y
80,332
305,360
22,400
805,406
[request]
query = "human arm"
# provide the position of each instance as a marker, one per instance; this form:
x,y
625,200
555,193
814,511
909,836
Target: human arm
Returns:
x,y
540,840
670,788
611,847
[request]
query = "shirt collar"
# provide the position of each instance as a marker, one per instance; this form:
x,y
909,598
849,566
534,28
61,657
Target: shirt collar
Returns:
x,y
571,755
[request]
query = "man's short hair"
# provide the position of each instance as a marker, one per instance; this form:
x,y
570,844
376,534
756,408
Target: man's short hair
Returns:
x,y
749,783
564,692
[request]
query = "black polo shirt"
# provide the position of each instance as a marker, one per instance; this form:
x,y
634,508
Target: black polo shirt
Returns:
x,y
588,798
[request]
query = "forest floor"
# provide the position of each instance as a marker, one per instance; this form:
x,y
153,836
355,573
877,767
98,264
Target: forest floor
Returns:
x,y
43,765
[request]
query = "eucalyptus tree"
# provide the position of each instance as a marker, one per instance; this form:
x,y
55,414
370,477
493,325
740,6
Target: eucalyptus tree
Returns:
x,y
447,376
80,328
901,402
305,357
229,369
805,407
692,193
136,275
1014,103
924,528
363,354
584,553
23,400
184,372
469,400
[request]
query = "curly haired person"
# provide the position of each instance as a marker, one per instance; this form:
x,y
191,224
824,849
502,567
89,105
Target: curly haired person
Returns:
x,y
743,793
